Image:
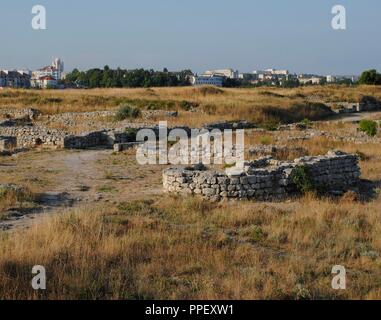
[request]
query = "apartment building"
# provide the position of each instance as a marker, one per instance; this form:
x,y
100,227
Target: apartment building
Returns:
x,y
14,79
48,76
227,73
212,80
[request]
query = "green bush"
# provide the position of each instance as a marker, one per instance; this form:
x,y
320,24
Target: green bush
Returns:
x,y
127,112
369,127
271,125
257,234
307,123
301,177
187,106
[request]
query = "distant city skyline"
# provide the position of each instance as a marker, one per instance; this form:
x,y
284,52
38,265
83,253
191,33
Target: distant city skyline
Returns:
x,y
244,35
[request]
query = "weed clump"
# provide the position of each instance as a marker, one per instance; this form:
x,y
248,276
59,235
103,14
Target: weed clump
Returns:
x,y
127,112
369,127
301,178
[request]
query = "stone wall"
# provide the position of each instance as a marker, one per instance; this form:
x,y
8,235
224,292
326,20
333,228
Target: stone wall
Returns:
x,y
276,151
14,113
230,125
369,103
88,140
30,136
265,179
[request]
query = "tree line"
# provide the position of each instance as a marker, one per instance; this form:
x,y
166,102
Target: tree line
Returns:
x,y
371,77
141,78
121,78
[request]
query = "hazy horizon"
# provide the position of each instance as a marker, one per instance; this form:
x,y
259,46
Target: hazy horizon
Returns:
x,y
244,35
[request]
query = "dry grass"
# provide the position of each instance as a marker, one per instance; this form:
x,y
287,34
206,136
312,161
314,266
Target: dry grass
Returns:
x,y
185,248
188,249
212,104
14,199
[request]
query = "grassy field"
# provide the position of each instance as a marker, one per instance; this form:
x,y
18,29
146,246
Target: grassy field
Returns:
x,y
162,247
175,248
259,104
136,243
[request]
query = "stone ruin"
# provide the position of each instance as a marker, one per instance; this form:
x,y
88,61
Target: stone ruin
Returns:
x,y
266,179
20,123
263,150
15,113
366,104
7,145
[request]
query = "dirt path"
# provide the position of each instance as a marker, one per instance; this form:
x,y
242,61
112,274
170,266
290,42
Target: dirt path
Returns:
x,y
79,178
353,117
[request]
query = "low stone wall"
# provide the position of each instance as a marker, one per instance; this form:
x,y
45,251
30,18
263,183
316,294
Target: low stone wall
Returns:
x,y
230,125
88,140
275,150
120,147
30,136
266,179
369,103
14,113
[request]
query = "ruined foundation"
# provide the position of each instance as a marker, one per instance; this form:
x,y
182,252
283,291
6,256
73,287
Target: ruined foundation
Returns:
x,y
266,179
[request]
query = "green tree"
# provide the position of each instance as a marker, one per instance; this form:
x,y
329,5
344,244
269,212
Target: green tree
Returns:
x,y
110,78
370,77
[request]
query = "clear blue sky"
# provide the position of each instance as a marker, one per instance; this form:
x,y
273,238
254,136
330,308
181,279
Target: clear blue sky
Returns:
x,y
197,34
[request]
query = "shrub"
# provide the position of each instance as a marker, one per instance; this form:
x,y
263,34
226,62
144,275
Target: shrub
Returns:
x,y
369,127
266,140
301,177
257,234
131,134
307,123
187,106
271,125
127,112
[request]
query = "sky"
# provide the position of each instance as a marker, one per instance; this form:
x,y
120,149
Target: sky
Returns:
x,y
200,35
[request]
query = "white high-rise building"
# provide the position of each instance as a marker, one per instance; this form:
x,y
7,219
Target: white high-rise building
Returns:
x,y
227,73
331,79
55,70
48,76
58,64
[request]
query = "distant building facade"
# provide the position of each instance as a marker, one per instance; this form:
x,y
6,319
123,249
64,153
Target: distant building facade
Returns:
x,y
212,80
331,79
14,79
309,79
227,73
272,76
49,76
44,82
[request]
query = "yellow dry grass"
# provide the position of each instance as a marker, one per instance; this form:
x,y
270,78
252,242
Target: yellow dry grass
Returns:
x,y
213,104
184,248
187,249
